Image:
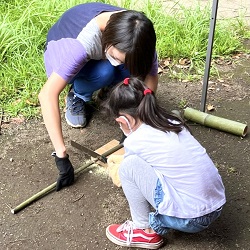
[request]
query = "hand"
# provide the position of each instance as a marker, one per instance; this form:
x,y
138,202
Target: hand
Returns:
x,y
66,172
114,162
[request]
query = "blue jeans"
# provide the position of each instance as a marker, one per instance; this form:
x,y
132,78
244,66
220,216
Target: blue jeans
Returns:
x,y
161,224
95,75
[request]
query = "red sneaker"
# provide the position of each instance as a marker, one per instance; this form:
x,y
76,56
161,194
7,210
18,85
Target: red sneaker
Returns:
x,y
128,235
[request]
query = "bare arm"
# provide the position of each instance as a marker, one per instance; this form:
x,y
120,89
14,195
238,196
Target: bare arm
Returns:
x,y
49,100
152,82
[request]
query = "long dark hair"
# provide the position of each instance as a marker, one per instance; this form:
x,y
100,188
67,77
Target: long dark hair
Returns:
x,y
133,33
131,98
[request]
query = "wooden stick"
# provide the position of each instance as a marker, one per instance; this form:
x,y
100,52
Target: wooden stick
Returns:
x,y
216,122
51,187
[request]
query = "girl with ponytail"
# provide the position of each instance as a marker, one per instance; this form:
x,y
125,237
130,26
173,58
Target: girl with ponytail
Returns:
x,y
169,180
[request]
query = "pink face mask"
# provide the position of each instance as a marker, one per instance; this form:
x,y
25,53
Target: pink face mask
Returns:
x,y
128,124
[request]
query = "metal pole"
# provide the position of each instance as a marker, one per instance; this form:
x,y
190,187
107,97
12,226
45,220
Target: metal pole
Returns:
x,y
209,55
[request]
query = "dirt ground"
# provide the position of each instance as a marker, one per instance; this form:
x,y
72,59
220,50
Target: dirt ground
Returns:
x,y
76,217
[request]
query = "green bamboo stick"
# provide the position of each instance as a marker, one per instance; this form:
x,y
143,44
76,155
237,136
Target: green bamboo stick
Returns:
x,y
216,122
45,191
51,187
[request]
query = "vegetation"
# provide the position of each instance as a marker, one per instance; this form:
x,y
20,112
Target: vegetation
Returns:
x,y
181,33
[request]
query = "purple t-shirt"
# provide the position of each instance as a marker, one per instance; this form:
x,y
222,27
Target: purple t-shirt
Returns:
x,y
65,54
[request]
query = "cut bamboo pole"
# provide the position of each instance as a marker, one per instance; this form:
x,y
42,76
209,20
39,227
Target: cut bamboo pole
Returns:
x,y
216,122
51,187
45,191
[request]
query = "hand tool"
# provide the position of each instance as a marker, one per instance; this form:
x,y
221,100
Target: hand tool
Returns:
x,y
89,151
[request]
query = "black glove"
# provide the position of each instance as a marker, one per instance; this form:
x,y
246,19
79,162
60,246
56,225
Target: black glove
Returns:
x,y
66,172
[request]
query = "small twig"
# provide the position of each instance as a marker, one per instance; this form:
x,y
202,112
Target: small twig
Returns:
x,y
78,198
17,240
7,205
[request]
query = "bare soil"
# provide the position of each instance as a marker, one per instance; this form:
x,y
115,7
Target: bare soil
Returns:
x,y
76,217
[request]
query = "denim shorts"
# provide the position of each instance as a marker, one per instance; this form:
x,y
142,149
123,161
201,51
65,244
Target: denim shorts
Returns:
x,y
161,224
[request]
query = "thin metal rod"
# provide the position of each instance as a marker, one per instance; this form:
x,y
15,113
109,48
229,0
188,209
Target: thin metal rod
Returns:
x,y
209,55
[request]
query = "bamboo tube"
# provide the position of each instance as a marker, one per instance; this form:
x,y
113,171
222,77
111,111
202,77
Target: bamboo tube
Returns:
x,y
216,122
51,187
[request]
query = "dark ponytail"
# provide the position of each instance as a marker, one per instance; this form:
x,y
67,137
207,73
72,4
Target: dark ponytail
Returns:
x,y
135,99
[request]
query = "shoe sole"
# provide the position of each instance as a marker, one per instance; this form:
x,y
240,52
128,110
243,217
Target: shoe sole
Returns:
x,y
75,126
132,244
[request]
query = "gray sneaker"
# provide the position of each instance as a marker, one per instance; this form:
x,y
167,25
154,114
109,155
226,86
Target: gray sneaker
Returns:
x,y
75,111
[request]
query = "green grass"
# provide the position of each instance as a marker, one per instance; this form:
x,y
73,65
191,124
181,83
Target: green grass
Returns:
x,y
24,26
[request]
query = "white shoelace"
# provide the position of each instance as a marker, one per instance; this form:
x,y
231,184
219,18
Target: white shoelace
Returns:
x,y
129,227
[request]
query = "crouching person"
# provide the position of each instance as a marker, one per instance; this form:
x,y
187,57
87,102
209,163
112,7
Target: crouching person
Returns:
x,y
164,168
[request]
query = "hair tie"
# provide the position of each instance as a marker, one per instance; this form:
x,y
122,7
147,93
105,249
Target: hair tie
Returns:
x,y
126,81
147,91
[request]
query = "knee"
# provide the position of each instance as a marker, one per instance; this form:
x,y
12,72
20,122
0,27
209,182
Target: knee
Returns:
x,y
106,72
128,164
